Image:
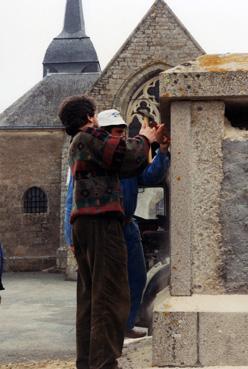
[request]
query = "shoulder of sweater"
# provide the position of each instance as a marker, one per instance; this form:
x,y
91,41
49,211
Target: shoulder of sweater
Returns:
x,y
89,133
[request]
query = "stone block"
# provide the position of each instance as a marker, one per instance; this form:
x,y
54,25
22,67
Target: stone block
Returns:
x,y
30,264
223,338
200,330
174,339
61,258
209,76
71,267
174,332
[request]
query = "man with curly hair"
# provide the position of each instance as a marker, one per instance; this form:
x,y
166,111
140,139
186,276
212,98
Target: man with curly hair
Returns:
x,y
97,160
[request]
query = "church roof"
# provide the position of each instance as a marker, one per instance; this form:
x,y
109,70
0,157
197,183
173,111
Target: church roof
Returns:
x,y
38,108
72,45
162,6
71,50
160,41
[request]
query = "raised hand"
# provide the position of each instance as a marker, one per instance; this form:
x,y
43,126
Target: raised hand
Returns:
x,y
149,133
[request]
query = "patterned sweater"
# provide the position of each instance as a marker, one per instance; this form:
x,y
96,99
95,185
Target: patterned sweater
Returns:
x,y
97,159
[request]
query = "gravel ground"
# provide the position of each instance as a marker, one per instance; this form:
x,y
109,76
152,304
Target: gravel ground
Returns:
x,y
136,355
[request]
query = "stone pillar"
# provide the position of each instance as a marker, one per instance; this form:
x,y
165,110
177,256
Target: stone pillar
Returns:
x,y
203,321
196,175
181,190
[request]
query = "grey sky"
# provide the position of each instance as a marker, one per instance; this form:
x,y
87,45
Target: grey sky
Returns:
x,y
28,26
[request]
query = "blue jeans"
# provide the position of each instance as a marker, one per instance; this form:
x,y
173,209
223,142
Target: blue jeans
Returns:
x,y
136,269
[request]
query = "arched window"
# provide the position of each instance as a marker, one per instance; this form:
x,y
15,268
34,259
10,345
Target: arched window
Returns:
x,y
35,201
146,96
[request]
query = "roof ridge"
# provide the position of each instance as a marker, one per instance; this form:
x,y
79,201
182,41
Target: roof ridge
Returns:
x,y
154,5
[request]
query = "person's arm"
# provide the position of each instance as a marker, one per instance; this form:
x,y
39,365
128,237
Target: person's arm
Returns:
x,y
68,209
137,150
111,152
116,153
135,157
129,190
155,172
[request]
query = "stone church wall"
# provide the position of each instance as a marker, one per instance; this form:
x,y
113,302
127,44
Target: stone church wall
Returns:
x,y
29,159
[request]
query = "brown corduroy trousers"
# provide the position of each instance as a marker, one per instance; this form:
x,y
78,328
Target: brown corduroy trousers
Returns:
x,y
102,291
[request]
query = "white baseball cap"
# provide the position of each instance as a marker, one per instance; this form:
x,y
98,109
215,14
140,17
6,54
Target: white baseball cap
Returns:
x,y
111,117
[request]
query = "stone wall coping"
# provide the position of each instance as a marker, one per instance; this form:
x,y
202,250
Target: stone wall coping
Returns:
x,y
202,303
207,76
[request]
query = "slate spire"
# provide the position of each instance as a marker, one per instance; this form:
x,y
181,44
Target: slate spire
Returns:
x,y
74,20
71,51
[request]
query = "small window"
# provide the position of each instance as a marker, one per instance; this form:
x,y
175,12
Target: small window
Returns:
x,y
35,201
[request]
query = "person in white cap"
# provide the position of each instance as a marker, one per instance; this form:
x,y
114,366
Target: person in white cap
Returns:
x,y
97,160
112,121
153,174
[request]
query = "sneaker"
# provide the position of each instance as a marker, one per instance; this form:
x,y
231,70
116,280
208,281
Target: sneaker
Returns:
x,y
133,333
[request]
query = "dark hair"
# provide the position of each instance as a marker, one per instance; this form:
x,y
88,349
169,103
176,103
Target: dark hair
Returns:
x,y
74,112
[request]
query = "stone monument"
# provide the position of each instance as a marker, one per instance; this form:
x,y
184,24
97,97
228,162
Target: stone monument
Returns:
x,y
203,321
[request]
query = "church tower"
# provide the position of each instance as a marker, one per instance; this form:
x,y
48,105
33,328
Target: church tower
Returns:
x,y
72,50
36,187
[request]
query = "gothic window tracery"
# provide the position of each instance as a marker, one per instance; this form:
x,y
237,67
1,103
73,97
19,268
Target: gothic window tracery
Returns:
x,y
146,96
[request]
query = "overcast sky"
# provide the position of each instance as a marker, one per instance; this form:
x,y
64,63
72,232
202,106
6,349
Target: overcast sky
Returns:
x,y
28,26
